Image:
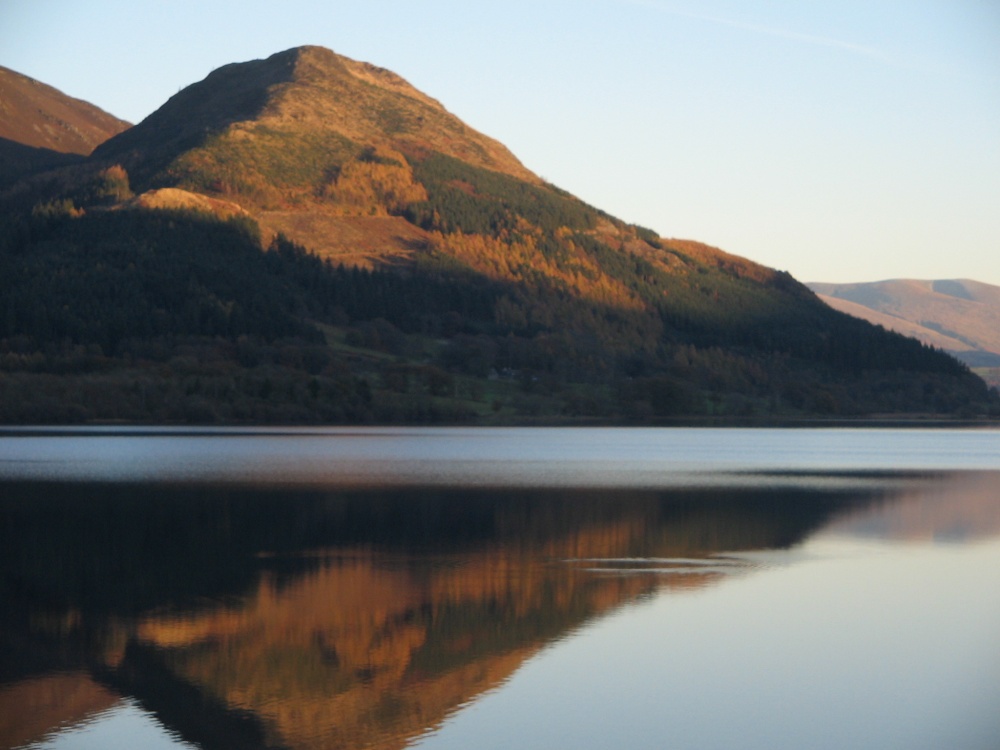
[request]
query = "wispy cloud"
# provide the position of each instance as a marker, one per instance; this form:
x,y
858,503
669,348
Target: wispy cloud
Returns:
x,y
775,31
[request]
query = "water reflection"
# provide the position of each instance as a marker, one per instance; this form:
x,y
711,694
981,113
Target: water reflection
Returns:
x,y
966,508
34,706
346,619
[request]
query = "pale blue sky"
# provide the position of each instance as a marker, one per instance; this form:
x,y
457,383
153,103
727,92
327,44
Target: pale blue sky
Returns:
x,y
841,141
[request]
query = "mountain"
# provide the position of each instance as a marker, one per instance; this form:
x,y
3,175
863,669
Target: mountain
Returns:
x,y
318,144
310,238
41,127
312,97
957,315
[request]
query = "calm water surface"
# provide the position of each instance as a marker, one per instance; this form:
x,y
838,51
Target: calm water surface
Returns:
x,y
452,588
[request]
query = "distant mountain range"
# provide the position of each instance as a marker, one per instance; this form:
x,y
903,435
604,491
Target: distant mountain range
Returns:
x,y
959,316
310,238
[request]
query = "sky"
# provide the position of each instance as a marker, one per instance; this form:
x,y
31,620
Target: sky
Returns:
x,y
846,141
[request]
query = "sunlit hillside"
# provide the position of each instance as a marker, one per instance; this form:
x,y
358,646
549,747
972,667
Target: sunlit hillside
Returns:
x,y
40,127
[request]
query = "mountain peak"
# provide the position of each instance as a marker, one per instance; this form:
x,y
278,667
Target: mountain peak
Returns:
x,y
311,60
313,102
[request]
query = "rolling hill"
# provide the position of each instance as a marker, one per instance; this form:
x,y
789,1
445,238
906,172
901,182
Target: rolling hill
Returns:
x,y
309,238
959,316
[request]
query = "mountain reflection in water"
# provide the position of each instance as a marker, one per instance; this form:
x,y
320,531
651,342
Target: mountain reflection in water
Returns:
x,y
347,619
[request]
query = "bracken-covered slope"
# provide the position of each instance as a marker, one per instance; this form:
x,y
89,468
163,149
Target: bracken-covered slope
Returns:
x,y
309,238
42,127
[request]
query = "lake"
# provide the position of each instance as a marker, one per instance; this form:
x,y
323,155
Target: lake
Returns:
x,y
500,588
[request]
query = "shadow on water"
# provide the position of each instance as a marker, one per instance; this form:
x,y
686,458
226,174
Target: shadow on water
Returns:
x,y
308,618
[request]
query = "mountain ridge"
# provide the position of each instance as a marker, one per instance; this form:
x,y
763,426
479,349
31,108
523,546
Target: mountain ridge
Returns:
x,y
41,127
35,114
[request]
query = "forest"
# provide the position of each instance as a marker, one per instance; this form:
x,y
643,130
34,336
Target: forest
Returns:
x,y
516,312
